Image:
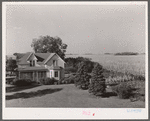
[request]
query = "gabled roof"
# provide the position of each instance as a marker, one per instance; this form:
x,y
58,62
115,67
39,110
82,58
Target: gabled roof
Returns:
x,y
43,57
19,55
23,60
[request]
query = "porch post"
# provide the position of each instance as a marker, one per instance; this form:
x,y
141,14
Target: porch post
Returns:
x,y
19,74
37,76
59,75
33,75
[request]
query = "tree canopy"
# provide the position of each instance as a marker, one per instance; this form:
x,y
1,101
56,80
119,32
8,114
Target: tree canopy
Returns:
x,y
45,44
10,64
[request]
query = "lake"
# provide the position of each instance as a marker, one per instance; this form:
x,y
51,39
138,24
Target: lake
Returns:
x,y
134,64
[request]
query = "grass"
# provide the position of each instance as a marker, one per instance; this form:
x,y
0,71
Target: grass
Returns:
x,y
16,88
66,96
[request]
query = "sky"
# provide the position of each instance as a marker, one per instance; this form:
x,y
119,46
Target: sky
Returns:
x,y
84,28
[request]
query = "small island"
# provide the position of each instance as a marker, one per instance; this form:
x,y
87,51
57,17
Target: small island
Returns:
x,y
127,53
108,53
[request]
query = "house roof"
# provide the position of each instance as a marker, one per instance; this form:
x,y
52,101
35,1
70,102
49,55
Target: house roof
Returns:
x,y
43,57
23,60
19,55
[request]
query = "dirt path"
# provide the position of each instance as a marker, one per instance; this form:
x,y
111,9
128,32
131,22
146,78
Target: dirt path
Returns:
x,y
63,96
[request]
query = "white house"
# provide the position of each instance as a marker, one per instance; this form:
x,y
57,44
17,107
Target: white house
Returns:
x,y
40,65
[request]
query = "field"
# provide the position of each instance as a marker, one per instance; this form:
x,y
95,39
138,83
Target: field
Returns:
x,y
134,64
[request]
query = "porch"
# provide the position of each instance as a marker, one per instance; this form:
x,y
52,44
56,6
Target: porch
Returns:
x,y
37,75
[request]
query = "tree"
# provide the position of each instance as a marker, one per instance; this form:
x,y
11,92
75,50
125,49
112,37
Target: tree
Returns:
x,y
97,85
11,64
45,44
82,77
72,64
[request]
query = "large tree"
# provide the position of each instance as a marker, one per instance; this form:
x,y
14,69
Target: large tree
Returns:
x,y
45,44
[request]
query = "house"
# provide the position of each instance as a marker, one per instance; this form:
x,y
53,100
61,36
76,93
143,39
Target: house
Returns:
x,y
39,65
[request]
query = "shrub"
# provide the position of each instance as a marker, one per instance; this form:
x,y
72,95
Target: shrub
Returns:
x,y
71,79
22,82
123,90
119,79
97,85
82,77
68,80
139,77
48,81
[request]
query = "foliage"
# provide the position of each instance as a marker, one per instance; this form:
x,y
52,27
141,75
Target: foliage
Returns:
x,y
45,44
68,80
119,79
73,64
22,82
122,76
97,85
123,90
82,77
47,81
11,64
70,70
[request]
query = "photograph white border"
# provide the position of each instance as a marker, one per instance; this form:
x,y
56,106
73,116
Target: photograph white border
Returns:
x,y
71,113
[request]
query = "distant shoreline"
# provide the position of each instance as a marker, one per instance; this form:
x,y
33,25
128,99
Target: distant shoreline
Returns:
x,y
125,54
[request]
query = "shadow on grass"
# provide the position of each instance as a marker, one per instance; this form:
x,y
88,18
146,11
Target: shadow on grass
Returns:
x,y
32,94
16,88
108,94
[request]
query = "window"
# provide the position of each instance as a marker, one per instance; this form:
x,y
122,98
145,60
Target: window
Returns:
x,y
30,62
53,62
42,74
56,73
33,62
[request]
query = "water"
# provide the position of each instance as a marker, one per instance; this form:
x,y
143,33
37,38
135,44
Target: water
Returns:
x,y
134,64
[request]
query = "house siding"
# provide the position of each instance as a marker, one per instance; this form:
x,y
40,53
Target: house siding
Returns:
x,y
62,73
59,61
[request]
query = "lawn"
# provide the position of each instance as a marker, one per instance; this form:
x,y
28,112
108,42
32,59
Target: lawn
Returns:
x,y
64,96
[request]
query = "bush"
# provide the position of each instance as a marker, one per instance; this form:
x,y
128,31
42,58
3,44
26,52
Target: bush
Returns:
x,y
68,80
82,77
119,79
22,82
97,85
48,81
123,90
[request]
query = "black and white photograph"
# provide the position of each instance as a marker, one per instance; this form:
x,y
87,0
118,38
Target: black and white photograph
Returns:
x,y
75,60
